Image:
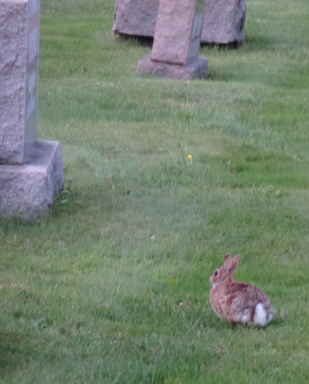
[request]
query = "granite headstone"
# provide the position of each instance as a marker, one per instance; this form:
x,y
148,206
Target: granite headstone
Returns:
x,y
223,19
177,41
31,172
19,61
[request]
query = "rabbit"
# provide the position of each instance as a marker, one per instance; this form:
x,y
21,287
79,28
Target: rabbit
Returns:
x,y
235,301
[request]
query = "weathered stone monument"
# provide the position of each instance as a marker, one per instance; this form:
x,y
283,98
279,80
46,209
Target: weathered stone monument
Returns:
x,y
136,17
177,41
31,171
223,19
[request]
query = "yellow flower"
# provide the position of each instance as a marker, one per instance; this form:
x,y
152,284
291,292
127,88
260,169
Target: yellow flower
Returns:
x,y
189,157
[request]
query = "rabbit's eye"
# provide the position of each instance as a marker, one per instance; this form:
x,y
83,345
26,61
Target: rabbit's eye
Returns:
x,y
216,273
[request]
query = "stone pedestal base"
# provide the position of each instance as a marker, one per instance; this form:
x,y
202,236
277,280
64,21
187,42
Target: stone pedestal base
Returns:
x,y
196,69
28,190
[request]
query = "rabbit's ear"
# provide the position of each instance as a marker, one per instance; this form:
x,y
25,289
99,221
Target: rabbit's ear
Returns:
x,y
227,262
235,262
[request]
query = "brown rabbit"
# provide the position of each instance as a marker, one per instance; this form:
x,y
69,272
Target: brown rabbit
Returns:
x,y
235,301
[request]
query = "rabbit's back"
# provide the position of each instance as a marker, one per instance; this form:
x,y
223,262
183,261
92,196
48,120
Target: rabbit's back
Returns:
x,y
241,302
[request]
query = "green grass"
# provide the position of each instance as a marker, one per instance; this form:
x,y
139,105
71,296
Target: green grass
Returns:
x,y
87,294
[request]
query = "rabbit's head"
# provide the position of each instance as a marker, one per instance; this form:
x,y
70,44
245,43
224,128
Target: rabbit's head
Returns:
x,y
225,273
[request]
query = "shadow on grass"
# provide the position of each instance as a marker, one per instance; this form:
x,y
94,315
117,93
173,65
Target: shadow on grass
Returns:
x,y
147,41
276,322
144,41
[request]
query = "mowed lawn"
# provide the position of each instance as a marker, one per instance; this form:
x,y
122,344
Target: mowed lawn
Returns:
x,y
91,293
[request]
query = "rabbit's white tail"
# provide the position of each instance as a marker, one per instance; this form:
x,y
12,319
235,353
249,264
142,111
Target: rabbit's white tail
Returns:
x,y
261,317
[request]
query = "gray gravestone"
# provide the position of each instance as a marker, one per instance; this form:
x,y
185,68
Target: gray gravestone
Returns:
x,y
223,19
31,172
136,17
19,54
177,41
